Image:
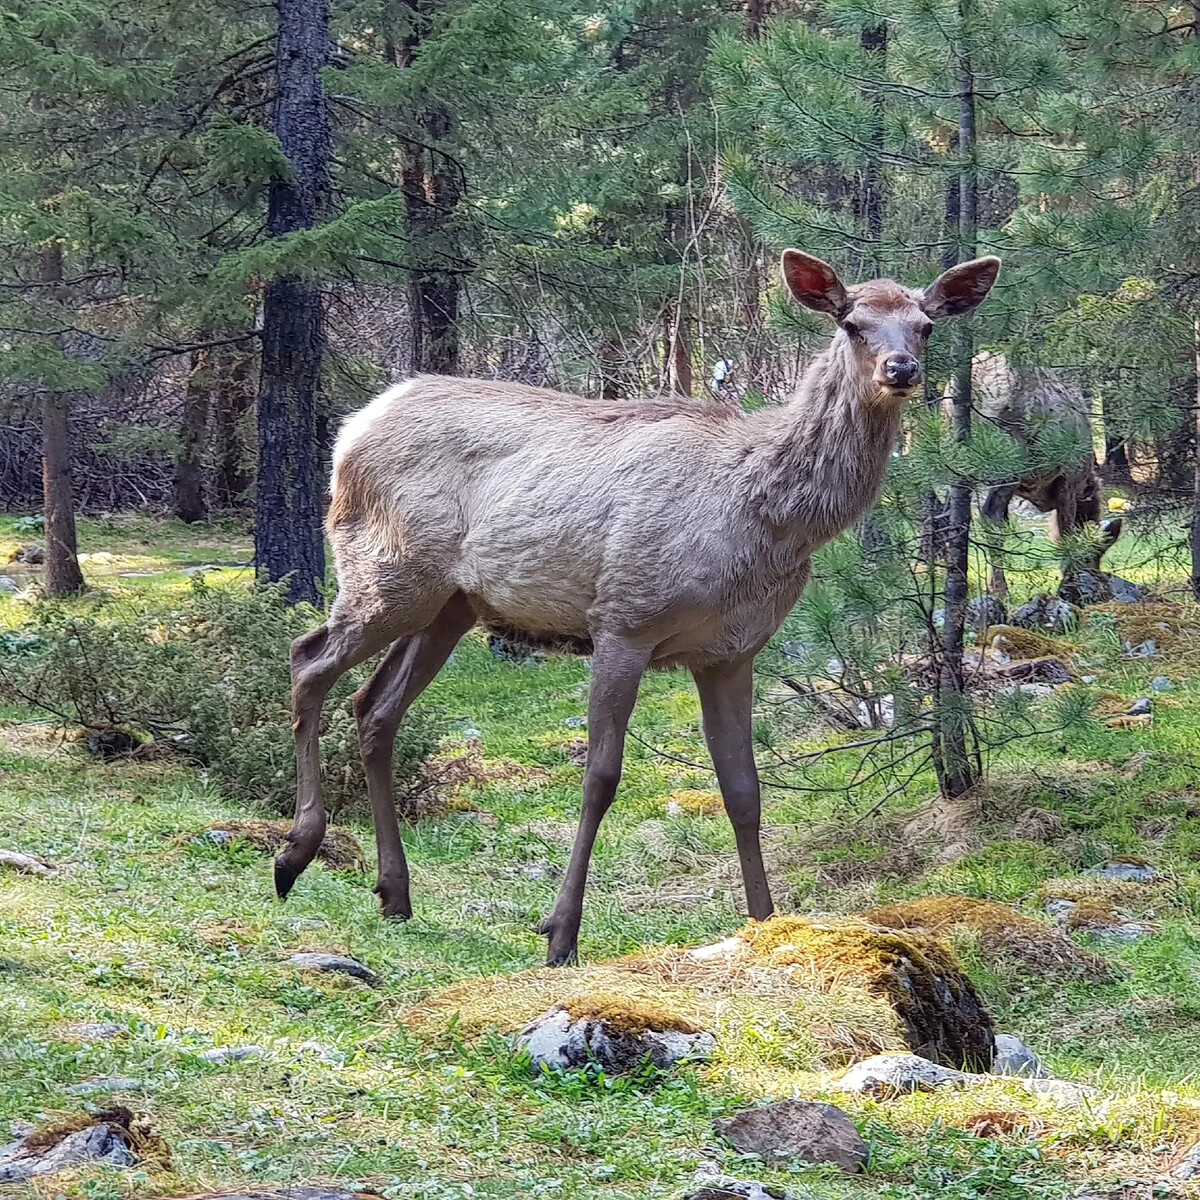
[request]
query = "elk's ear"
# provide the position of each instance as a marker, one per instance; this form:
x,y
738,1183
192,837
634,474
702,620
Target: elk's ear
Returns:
x,y
961,289
814,283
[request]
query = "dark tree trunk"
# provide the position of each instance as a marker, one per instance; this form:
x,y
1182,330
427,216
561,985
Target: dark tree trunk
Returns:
x,y
611,359
189,460
873,43
1116,461
956,765
757,12
1196,491
63,576
678,351
233,410
288,539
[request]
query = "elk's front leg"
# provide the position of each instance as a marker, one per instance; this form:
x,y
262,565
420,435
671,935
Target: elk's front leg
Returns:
x,y
726,700
994,511
617,669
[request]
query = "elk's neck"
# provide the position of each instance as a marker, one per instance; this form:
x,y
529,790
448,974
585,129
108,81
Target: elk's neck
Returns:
x,y
825,454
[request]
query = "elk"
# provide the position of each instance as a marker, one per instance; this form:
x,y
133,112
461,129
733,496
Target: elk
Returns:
x,y
658,533
1023,401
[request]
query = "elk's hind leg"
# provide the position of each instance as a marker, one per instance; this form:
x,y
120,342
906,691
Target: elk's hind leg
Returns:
x,y
994,511
726,700
319,660
405,672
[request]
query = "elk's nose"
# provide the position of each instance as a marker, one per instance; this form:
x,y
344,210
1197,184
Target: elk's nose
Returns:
x,y
901,370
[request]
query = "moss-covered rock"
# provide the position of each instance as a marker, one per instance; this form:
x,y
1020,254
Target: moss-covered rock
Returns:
x,y
939,1009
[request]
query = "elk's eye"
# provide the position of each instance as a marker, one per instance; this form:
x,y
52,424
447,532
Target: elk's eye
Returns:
x,y
926,329
850,327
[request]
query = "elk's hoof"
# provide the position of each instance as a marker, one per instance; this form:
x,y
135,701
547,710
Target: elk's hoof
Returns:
x,y
562,949
394,903
285,877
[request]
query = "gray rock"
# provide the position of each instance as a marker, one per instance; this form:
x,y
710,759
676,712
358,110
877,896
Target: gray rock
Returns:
x,y
1060,909
1121,932
107,1083
229,1054
557,1042
1146,649
1086,587
1062,1090
887,1075
1124,591
1126,872
26,864
816,1133
1140,707
8,586
713,1185
575,722
96,1031
1045,613
96,1143
1013,1057
32,554
984,612
307,961
542,869
1188,1166
1160,683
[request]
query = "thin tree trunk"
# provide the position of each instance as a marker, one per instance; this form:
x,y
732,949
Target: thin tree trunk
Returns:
x,y
288,538
679,351
233,410
1196,492
873,43
611,359
62,576
190,505
957,767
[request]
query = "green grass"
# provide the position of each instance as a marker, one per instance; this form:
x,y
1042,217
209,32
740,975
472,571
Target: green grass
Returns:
x,y
184,944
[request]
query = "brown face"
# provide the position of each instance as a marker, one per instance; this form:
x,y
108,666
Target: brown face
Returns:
x,y
885,323
887,329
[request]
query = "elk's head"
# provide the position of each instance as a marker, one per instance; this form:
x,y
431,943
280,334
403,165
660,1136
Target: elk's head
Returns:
x,y
886,324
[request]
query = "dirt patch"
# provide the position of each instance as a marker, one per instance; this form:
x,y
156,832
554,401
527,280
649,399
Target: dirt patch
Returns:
x,y
339,850
1004,935
689,802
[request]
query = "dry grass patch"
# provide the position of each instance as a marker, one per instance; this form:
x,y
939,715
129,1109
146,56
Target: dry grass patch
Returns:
x,y
763,1016
691,802
1174,628
339,850
1003,933
1026,643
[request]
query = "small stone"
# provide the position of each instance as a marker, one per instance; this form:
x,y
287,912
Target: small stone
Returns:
x,y
228,1054
96,1031
1160,683
1060,909
307,961
724,1187
888,1075
729,948
109,1083
984,612
96,1143
575,722
1140,707
1088,679
1045,613
1188,1166
1013,1057
1146,649
557,1042
1124,872
8,586
1124,591
815,1133
25,864
1062,1090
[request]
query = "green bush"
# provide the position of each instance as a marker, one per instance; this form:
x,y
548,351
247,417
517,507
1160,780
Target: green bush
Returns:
x,y
207,676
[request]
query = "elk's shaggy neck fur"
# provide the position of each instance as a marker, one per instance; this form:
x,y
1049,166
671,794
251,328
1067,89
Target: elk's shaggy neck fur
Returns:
x,y
821,459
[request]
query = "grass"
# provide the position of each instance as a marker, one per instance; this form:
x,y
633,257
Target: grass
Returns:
x,y
183,943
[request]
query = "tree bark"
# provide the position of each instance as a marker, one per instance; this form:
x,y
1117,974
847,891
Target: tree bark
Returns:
x,y
957,767
679,351
1196,491
62,575
288,538
190,503
233,410
873,43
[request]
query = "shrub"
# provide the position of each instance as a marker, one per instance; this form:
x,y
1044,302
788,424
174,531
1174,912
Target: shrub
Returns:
x,y
208,677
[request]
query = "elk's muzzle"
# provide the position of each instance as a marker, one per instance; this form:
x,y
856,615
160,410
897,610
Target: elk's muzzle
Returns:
x,y
900,370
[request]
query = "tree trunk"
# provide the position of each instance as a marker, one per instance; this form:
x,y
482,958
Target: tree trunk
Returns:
x,y
873,43
233,370
957,767
62,575
189,461
288,538
679,351
1196,492
611,360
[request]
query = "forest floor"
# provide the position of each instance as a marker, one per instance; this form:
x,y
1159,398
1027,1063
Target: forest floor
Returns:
x,y
181,943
